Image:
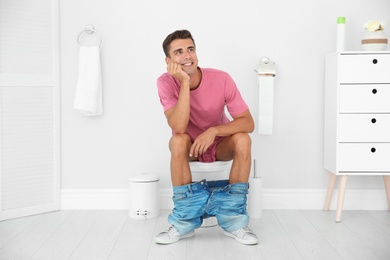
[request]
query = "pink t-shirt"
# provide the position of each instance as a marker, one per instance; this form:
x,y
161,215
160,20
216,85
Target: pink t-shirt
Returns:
x,y
207,102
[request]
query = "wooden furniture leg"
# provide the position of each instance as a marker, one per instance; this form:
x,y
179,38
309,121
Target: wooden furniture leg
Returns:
x,y
386,179
332,182
340,201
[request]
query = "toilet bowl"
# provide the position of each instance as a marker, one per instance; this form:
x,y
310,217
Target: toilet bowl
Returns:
x,y
213,171
219,170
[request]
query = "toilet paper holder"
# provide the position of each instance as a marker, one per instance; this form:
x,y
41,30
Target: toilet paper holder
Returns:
x,y
266,68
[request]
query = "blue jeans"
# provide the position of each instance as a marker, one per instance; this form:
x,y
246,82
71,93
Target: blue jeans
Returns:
x,y
193,202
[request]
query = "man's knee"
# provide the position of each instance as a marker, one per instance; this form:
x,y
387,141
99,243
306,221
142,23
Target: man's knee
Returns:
x,y
242,141
180,143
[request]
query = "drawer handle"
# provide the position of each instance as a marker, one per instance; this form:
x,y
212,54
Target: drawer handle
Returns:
x,y
374,91
373,120
373,150
375,61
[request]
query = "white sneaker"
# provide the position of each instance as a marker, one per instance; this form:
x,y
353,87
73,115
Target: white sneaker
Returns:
x,y
171,236
243,235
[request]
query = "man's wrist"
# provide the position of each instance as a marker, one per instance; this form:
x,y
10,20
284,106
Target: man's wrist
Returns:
x,y
214,130
184,82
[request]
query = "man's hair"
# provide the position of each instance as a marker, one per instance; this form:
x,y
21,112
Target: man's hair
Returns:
x,y
179,34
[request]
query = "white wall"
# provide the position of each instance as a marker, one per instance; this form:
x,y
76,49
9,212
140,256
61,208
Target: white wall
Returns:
x,y
132,136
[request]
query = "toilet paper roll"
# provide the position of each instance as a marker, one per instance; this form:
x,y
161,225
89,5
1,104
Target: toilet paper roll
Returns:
x,y
266,97
255,197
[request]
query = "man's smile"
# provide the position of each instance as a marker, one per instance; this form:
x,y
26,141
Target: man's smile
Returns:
x,y
187,64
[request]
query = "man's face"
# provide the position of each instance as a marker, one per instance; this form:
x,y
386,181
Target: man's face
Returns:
x,y
183,52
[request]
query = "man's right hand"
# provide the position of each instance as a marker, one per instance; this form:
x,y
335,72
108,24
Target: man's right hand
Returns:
x,y
175,70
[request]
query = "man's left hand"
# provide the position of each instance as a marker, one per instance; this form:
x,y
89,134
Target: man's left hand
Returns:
x,y
203,142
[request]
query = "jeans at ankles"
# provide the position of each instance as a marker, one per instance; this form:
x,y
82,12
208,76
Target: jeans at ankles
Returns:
x,y
193,202
228,204
189,206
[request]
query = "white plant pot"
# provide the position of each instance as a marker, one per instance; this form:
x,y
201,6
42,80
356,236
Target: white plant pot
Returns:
x,y
374,41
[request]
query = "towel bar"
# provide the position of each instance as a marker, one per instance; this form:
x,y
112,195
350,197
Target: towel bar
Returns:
x,y
89,29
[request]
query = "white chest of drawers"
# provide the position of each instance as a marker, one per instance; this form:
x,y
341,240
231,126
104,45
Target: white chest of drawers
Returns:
x,y
356,119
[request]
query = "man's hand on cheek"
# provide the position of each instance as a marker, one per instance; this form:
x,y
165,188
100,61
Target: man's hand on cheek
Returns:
x,y
175,70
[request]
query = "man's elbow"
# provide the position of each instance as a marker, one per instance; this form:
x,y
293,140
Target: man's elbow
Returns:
x,y
250,123
179,129
251,126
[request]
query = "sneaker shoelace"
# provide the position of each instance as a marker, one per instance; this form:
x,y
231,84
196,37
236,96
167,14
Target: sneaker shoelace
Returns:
x,y
172,231
243,231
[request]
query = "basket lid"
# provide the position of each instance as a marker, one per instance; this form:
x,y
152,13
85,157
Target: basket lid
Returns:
x,y
144,177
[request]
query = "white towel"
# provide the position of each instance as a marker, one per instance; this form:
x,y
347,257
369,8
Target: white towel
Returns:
x,y
89,92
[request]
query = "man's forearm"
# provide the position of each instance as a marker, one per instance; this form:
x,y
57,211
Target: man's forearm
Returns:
x,y
180,115
242,124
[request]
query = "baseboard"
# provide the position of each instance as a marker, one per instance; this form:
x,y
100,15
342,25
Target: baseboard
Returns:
x,y
355,199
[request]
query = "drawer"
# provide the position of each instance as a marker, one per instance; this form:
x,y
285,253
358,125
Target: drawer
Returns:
x,y
367,157
364,128
364,98
364,68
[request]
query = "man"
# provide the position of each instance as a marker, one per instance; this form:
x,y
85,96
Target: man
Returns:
x,y
193,99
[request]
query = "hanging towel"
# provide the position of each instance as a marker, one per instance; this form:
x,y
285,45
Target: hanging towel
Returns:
x,y
89,92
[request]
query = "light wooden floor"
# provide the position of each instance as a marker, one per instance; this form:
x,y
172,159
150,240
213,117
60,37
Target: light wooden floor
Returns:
x,y
283,234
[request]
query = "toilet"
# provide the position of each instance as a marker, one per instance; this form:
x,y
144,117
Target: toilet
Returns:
x,y
213,171
219,170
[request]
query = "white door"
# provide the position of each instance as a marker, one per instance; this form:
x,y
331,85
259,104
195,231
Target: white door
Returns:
x,y
29,108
